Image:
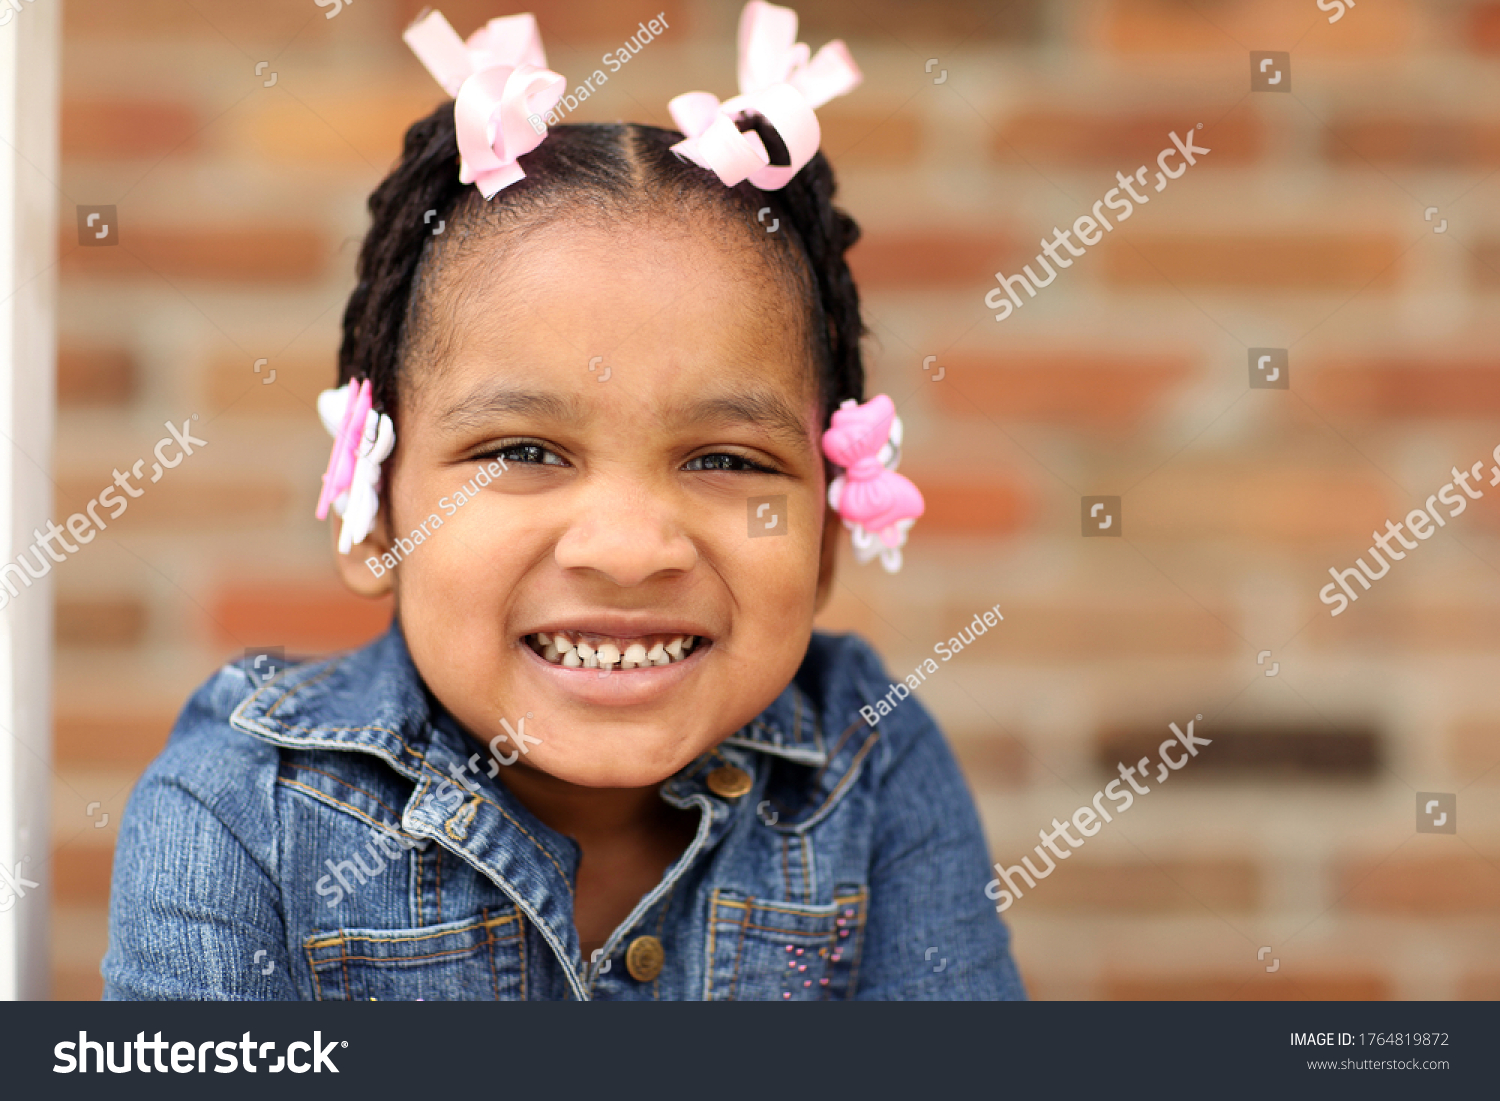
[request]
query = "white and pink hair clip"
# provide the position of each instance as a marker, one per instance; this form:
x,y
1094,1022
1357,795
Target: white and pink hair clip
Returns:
x,y
778,81
877,505
362,440
499,82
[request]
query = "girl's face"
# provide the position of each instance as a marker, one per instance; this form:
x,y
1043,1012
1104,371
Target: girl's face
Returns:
x,y
646,387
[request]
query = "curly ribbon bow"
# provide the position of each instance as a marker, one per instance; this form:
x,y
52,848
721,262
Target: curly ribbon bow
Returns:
x,y
362,440
874,501
777,81
498,78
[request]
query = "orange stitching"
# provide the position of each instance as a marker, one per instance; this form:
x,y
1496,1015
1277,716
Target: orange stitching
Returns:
x,y
739,954
323,796
345,937
340,780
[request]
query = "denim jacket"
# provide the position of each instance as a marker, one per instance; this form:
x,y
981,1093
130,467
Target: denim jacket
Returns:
x,y
299,839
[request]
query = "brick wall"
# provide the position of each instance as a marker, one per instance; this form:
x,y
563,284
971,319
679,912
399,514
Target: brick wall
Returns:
x,y
240,206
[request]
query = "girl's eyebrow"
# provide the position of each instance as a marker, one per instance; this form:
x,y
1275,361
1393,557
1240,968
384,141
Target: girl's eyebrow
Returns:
x,y
763,409
477,408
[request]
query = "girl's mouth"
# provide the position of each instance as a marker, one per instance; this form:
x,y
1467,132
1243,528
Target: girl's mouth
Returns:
x,y
584,650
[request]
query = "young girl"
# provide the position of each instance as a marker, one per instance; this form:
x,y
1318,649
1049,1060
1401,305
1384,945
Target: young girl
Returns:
x,y
600,752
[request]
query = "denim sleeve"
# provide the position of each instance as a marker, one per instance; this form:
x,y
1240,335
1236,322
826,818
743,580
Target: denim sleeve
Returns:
x,y
927,878
195,910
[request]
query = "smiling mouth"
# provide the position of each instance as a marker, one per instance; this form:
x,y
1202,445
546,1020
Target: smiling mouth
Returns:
x,y
583,650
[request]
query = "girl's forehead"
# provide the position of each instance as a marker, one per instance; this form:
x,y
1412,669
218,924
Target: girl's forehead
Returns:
x,y
658,306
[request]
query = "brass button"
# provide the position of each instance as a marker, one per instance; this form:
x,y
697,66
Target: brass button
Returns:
x,y
729,782
643,959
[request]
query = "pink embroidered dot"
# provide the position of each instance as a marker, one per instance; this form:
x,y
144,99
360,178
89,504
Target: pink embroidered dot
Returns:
x,y
786,993
799,951
808,982
791,963
788,947
848,913
839,921
822,982
843,932
802,967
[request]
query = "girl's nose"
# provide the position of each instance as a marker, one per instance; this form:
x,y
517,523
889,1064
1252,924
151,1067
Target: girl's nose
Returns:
x,y
628,537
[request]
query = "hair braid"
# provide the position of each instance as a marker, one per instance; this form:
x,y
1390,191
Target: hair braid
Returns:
x,y
400,232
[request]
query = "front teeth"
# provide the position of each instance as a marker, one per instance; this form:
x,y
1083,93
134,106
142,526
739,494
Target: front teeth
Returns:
x,y
560,649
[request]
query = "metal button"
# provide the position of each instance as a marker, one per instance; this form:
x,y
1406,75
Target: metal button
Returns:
x,y
729,782
643,959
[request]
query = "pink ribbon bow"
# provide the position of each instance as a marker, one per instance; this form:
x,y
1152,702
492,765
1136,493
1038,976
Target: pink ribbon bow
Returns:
x,y
873,500
340,473
499,79
777,81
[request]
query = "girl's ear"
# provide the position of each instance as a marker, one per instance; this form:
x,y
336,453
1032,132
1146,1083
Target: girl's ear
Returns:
x,y
359,574
833,527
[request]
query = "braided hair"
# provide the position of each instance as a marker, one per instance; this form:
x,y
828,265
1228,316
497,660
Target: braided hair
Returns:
x,y
588,170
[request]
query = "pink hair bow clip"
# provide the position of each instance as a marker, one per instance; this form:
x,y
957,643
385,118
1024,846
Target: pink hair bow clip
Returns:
x,y
499,81
877,505
778,81
362,440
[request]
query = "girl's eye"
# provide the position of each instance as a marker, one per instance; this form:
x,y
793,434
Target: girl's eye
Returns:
x,y
721,460
524,453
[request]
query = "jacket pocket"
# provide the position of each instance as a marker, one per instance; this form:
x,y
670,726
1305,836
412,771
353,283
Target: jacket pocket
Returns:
x,y
477,959
764,950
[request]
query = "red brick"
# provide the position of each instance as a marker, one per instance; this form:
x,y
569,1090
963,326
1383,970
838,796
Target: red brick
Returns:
x,y
181,500
1122,141
1077,388
306,619
936,258
1484,29
70,984
990,759
857,138
1480,987
346,129
1411,387
233,387
126,129
1422,880
898,23
1316,261
80,873
1349,987
1271,502
1061,633
1378,619
261,254
1201,885
1171,26
1486,263
982,506
275,23
1407,142
114,737
94,376
1474,748
99,622
566,21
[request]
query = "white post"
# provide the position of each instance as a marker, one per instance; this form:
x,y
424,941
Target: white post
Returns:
x,y
29,197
